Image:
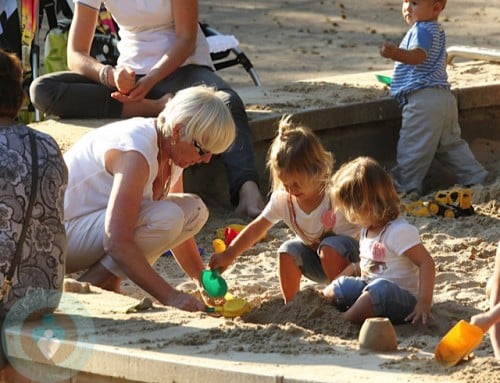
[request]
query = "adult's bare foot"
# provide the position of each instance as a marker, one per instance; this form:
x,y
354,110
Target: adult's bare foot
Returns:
x,y
251,203
146,107
99,276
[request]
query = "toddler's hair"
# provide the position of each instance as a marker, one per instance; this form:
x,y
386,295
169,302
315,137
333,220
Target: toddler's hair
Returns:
x,y
297,150
12,94
364,190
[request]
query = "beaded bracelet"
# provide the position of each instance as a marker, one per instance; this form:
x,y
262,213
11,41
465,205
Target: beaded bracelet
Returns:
x,y
104,74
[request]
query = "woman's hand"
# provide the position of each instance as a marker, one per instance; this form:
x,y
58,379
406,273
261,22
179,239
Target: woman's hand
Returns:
x,y
124,79
184,301
138,92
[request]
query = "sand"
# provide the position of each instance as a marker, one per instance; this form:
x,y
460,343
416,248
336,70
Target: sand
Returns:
x,y
296,40
290,41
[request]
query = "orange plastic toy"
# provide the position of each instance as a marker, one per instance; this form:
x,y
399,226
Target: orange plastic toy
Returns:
x,y
459,342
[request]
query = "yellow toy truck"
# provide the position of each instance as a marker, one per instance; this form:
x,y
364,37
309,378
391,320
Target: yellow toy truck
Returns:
x,y
452,203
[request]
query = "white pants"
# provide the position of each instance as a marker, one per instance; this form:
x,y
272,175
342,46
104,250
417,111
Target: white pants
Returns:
x,y
161,226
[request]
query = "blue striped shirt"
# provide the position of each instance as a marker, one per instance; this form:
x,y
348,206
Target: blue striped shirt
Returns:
x,y
430,37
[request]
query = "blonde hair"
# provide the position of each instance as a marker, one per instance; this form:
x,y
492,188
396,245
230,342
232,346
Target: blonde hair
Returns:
x,y
297,150
364,190
204,116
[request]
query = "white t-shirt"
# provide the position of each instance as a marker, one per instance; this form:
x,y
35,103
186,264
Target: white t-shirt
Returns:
x,y
383,256
89,183
277,210
147,31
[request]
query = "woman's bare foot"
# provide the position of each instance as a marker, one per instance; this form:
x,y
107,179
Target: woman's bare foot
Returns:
x,y
251,203
99,276
146,107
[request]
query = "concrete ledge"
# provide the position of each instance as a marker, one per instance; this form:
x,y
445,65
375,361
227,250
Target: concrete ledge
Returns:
x,y
376,121
482,96
341,128
469,52
148,350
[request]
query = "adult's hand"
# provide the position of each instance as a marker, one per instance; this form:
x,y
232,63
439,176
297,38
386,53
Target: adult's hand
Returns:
x,y
138,93
184,301
124,79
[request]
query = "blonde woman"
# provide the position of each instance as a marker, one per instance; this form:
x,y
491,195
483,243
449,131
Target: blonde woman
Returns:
x,y
324,248
125,205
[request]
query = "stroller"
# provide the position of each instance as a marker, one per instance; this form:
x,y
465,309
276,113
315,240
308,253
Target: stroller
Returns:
x,y
225,52
21,21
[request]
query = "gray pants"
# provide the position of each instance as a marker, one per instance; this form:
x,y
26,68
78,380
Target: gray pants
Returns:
x,y
430,129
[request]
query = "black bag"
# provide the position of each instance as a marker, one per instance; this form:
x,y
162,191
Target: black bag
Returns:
x,y
10,32
104,49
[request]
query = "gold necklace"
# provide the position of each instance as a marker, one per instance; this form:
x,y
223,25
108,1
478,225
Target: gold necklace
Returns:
x,y
165,188
311,240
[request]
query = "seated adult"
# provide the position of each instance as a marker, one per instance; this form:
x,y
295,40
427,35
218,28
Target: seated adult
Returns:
x,y
125,206
33,178
162,50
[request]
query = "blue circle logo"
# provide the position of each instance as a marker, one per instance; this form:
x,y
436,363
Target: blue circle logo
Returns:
x,y
47,345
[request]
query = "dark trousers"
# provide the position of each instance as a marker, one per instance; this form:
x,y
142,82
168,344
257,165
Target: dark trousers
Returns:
x,y
71,95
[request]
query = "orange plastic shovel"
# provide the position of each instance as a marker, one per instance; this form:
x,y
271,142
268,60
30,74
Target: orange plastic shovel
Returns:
x,y
459,342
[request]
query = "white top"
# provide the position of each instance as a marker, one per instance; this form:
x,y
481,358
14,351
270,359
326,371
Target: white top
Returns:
x,y
147,31
383,256
89,183
277,210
